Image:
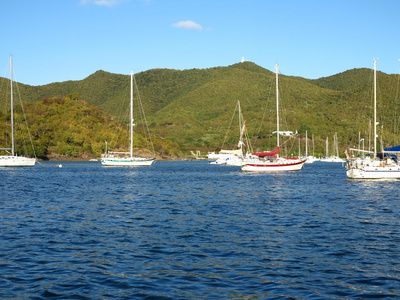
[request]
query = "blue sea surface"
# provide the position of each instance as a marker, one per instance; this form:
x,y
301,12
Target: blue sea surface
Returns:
x,y
192,230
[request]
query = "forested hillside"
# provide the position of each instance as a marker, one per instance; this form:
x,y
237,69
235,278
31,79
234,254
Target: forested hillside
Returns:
x,y
194,108
63,128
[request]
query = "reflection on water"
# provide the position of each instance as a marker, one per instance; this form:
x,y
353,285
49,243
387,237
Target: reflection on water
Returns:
x,y
190,230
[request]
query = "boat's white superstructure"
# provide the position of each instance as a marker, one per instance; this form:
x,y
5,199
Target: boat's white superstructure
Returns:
x,y
271,161
126,159
223,156
385,166
11,159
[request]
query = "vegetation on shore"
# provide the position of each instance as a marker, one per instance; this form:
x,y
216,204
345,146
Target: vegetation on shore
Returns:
x,y
64,128
192,109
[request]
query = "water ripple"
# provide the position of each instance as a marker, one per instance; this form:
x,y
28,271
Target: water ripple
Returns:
x,y
190,230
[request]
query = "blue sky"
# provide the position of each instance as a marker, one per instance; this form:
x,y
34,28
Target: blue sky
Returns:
x,y
53,40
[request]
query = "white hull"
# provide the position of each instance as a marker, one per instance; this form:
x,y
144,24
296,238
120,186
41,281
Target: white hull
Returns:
x,y
274,166
127,162
311,159
234,160
332,159
374,173
241,161
369,169
222,159
217,162
221,156
16,161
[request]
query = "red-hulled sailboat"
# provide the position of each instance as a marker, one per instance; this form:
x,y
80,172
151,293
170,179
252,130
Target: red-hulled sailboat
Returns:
x,y
271,161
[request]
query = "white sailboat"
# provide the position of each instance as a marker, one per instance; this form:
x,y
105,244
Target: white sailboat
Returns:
x,y
234,157
310,158
127,159
271,161
366,167
12,159
230,154
335,157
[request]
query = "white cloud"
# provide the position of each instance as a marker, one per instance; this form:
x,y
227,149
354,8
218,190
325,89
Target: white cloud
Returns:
x,y
102,2
188,25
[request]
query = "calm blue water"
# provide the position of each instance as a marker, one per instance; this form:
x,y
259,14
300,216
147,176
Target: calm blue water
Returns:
x,y
190,230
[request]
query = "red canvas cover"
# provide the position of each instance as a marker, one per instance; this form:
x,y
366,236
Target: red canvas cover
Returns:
x,y
263,154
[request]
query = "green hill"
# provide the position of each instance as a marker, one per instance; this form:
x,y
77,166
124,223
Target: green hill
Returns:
x,y
194,107
63,128
346,81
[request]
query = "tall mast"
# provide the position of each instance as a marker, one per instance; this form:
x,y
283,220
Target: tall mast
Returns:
x,y
131,129
337,145
306,145
369,136
240,127
374,108
312,136
277,107
327,149
12,108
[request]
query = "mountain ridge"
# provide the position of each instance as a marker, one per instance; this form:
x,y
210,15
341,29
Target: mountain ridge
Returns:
x,y
194,107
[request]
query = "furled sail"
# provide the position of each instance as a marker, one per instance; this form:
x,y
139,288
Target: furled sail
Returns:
x,y
263,154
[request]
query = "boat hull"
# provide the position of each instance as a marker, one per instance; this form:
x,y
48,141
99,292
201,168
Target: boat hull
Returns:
x,y
311,160
16,161
274,166
332,159
127,162
374,173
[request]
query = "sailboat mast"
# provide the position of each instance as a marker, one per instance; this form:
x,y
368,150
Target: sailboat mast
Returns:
x,y
131,129
374,108
312,136
369,136
306,145
12,108
327,149
336,144
240,127
277,108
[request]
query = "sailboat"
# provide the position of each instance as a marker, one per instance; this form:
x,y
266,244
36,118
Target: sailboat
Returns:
x,y
127,159
310,158
383,166
271,161
335,157
234,157
12,159
242,158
